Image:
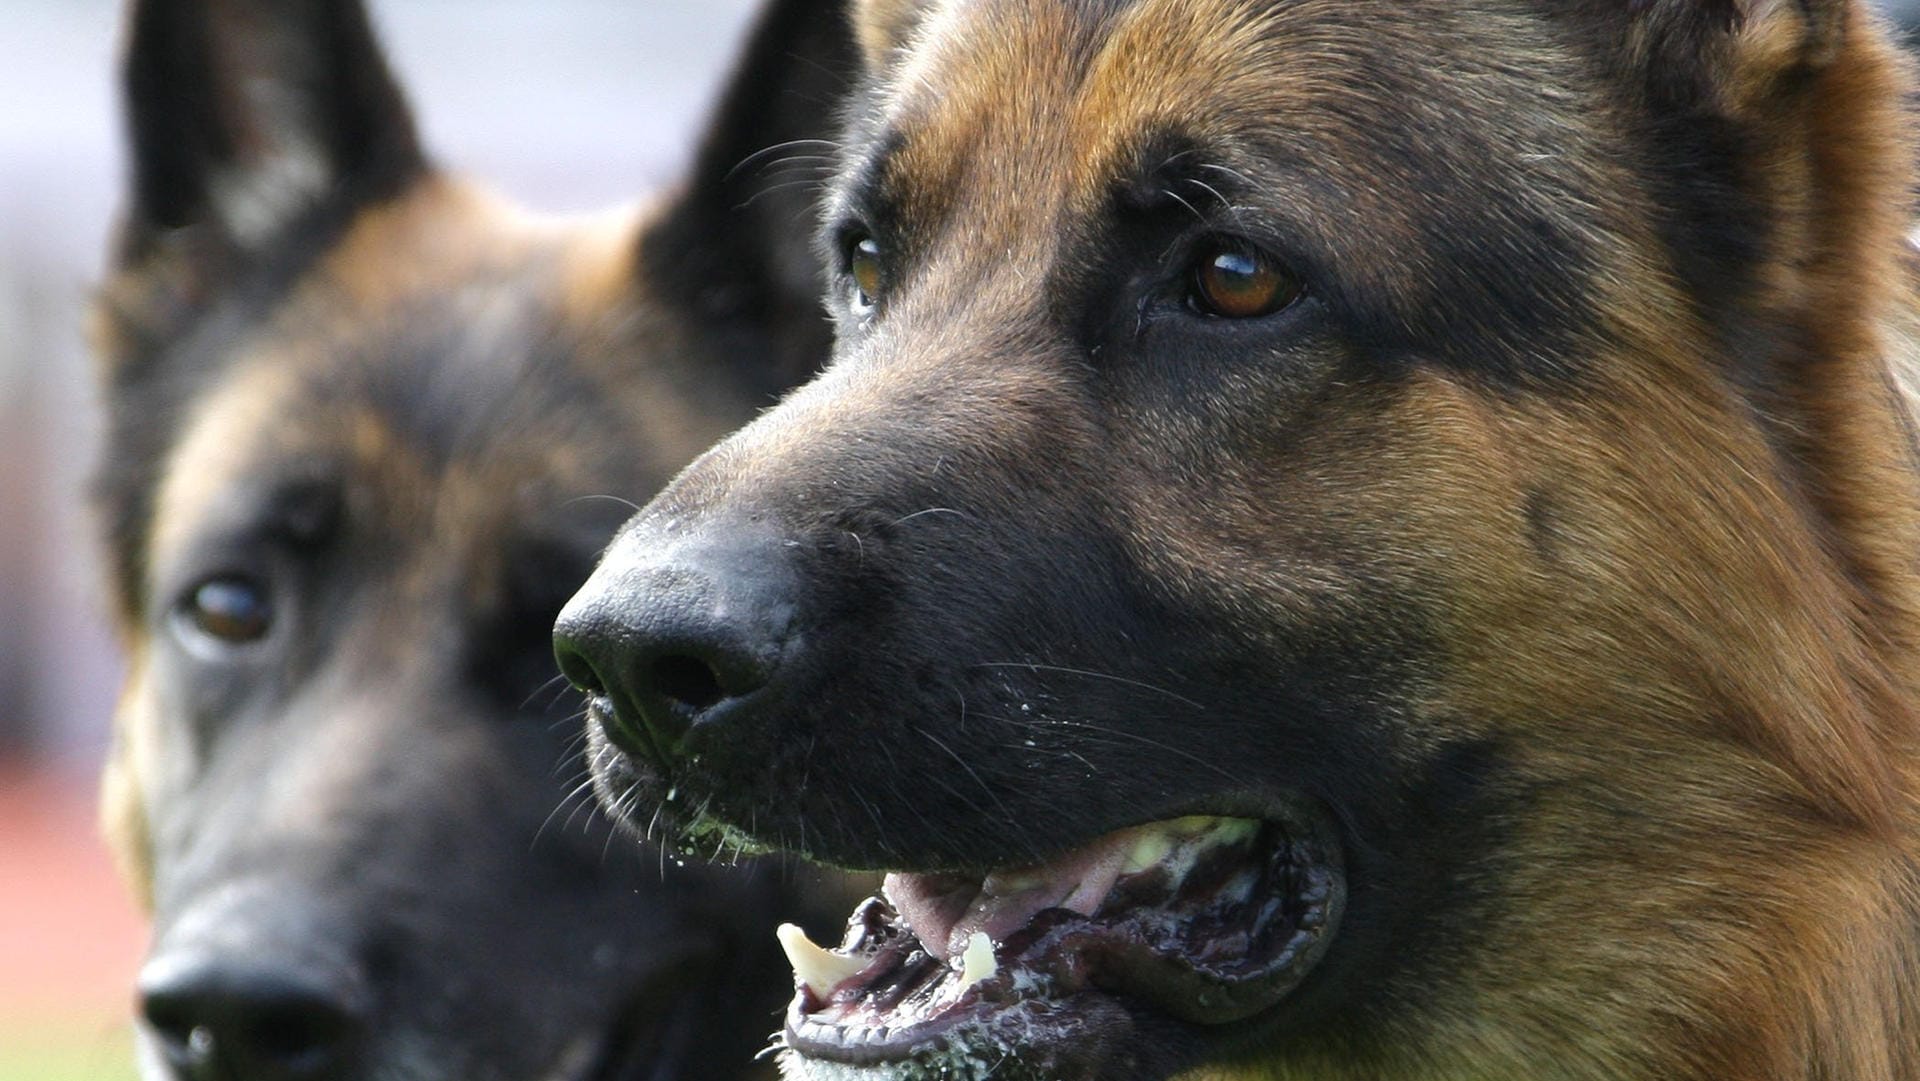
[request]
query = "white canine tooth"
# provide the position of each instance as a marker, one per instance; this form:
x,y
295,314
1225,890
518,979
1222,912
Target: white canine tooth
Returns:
x,y
1236,829
814,966
1152,847
977,963
1002,883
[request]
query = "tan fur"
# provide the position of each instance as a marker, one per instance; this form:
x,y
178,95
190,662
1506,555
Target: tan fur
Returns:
x,y
123,813
1722,623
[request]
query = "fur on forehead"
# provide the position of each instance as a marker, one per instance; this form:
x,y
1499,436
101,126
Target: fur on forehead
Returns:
x,y
1740,45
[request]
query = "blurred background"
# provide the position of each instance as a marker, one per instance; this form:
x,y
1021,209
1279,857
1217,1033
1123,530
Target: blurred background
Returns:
x,y
563,104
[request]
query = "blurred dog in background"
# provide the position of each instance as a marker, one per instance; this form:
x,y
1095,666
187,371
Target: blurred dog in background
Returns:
x,y
369,428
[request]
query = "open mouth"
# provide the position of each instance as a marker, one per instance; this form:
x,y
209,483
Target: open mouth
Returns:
x,y
1209,920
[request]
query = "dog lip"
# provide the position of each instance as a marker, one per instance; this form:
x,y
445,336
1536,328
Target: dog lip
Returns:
x,y
1063,1041
1208,921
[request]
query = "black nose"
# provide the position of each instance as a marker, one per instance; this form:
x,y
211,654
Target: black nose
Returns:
x,y
250,1018
675,634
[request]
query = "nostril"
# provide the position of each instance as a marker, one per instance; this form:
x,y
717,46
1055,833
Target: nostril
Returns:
x,y
577,669
174,1022
689,681
222,1019
575,661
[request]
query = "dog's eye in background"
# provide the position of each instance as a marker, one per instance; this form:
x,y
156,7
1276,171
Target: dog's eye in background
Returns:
x,y
229,609
1234,280
863,265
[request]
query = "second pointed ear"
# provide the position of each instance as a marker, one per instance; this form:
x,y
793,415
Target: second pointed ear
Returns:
x,y
736,243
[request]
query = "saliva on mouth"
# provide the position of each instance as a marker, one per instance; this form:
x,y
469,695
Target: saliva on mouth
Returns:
x,y
1206,919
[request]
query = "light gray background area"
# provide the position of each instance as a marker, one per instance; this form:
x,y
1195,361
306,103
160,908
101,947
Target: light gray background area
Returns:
x,y
564,104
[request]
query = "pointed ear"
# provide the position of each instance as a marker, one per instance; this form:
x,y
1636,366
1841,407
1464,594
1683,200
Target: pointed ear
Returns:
x,y
247,116
1729,55
736,244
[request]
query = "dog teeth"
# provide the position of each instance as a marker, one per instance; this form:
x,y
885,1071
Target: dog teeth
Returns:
x,y
1149,850
1235,830
1191,835
1004,883
977,963
815,967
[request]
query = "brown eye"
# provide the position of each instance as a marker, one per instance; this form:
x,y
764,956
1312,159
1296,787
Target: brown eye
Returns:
x,y
1234,281
230,609
863,263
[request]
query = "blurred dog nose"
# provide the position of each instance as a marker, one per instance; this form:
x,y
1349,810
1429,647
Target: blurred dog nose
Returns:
x,y
676,634
250,1018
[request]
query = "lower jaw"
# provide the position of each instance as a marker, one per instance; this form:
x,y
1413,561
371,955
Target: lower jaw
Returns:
x,y
1084,1038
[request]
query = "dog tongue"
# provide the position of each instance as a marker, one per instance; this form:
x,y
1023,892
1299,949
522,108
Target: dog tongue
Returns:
x,y
946,911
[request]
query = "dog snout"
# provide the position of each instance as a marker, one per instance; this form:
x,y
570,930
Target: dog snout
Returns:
x,y
678,635
251,1015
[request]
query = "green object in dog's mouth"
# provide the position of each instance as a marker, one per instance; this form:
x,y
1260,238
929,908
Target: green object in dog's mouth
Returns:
x,y
1208,920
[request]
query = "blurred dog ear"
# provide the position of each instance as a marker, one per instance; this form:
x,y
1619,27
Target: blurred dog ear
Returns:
x,y
736,243
247,119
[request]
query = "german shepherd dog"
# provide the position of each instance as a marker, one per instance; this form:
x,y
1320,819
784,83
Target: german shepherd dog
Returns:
x,y
369,428
1342,540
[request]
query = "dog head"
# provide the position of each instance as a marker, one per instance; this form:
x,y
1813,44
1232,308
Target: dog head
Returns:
x,y
369,427
1358,540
